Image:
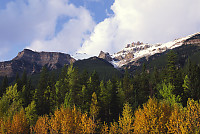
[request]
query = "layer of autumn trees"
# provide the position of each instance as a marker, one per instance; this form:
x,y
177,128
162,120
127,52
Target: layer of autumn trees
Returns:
x,y
163,101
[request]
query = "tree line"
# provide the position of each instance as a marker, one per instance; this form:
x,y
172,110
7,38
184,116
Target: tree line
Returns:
x,y
162,101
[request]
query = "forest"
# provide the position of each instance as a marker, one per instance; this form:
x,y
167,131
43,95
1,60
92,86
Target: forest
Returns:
x,y
160,101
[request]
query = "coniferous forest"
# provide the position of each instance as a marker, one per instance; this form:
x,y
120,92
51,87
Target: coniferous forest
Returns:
x,y
160,101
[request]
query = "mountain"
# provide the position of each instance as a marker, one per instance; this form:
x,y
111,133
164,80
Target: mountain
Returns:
x,y
33,62
136,51
131,57
104,69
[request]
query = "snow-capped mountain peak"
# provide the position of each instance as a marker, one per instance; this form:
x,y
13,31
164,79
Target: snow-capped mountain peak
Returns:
x,y
134,51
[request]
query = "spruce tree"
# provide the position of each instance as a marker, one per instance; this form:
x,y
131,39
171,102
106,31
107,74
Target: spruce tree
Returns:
x,y
4,85
41,93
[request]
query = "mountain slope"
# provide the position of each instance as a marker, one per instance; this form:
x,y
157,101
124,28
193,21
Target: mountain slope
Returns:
x,y
159,60
105,69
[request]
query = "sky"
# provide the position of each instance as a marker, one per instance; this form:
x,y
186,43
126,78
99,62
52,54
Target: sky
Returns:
x,y
89,26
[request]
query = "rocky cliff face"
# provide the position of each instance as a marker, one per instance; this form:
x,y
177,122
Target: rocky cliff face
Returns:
x,y
33,62
105,56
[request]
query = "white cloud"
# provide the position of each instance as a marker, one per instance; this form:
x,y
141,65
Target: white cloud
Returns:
x,y
34,22
149,21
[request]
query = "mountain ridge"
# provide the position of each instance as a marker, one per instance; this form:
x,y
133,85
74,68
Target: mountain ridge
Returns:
x,y
33,62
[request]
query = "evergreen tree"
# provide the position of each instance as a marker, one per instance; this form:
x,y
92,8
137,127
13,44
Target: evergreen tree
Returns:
x,y
18,82
171,66
74,85
4,85
106,98
193,74
24,78
41,93
93,85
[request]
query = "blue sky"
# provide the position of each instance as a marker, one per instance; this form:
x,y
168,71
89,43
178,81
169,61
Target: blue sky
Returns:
x,y
89,26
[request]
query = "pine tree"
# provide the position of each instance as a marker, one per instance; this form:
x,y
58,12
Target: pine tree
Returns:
x,y
171,66
4,85
105,98
18,82
42,94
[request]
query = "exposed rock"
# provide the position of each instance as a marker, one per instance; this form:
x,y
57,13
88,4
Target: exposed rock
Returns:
x,y
118,58
105,56
129,56
33,62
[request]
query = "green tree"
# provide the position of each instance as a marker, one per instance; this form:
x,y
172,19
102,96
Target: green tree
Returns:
x,y
193,74
106,98
166,92
4,85
171,66
42,94
10,103
74,84
31,113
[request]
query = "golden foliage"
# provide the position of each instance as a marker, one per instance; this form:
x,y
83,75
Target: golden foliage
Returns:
x,y
67,120
19,123
176,120
56,121
5,126
192,116
70,121
105,129
87,125
126,121
42,125
152,118
94,108
113,128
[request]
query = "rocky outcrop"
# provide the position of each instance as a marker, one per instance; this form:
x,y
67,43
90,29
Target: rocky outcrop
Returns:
x,y
33,62
129,56
193,40
105,56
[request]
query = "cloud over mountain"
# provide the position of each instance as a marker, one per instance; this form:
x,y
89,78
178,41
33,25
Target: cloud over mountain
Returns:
x,y
59,25
150,21
33,23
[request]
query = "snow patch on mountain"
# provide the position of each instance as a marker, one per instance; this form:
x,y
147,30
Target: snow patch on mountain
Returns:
x,y
138,50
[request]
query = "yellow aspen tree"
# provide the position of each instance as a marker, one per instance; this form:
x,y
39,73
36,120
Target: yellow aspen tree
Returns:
x,y
175,124
113,128
67,121
152,118
87,125
105,128
192,116
55,122
76,114
5,126
94,108
19,123
71,120
126,121
42,125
